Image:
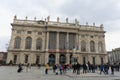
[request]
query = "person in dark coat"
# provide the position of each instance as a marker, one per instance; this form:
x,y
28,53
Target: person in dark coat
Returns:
x,y
19,68
78,66
112,69
84,68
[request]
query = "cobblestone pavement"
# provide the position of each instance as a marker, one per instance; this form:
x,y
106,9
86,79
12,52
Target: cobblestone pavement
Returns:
x,y
33,73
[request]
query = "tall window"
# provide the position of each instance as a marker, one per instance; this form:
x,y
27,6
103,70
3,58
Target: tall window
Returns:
x,y
37,59
52,40
92,46
28,43
93,59
83,46
17,43
100,47
72,37
38,43
62,41
15,59
102,60
84,60
26,58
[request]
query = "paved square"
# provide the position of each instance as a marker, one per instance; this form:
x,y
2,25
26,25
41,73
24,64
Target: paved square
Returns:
x,y
10,73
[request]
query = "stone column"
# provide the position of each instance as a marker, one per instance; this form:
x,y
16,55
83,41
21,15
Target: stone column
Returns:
x,y
67,58
77,41
57,42
47,41
57,58
67,41
88,44
33,46
46,57
23,39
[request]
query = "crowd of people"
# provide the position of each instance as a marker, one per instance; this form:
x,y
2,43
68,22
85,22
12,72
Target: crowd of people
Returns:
x,y
77,68
84,68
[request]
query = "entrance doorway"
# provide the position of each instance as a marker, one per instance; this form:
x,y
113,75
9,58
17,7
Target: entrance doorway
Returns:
x,y
62,59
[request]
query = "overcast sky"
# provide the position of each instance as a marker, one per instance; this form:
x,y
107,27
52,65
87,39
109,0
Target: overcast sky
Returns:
x,y
106,12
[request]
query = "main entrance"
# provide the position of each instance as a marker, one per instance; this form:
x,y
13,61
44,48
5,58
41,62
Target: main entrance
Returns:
x,y
51,59
62,59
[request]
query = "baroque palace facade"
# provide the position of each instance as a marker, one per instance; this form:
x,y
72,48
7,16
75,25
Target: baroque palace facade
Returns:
x,y
43,41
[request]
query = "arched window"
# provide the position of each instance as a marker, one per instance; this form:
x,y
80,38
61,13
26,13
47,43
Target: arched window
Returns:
x,y
83,46
51,59
100,47
17,43
62,59
28,43
38,43
92,46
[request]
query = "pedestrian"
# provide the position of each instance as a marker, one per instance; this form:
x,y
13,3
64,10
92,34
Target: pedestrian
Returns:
x,y
112,69
19,68
102,69
47,67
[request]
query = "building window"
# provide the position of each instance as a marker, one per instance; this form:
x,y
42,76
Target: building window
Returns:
x,y
39,33
17,43
91,36
83,36
37,59
62,41
52,40
93,59
62,59
28,43
15,59
29,32
84,60
51,59
100,47
72,37
101,60
38,43
26,58
18,31
83,46
92,46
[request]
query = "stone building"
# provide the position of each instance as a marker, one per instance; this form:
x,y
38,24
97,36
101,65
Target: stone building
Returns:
x,y
43,41
114,56
3,57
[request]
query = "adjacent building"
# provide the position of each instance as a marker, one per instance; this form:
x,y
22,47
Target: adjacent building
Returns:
x,y
43,41
114,56
3,57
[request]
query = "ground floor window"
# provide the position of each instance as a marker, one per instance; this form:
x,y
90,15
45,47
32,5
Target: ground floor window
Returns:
x,y
84,60
101,60
26,58
71,59
37,59
93,59
15,59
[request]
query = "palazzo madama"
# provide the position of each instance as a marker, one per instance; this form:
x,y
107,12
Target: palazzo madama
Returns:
x,y
43,41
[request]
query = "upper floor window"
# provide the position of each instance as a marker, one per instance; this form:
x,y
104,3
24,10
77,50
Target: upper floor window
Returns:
x,y
100,47
29,32
17,42
18,31
92,46
28,43
38,43
39,33
83,46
